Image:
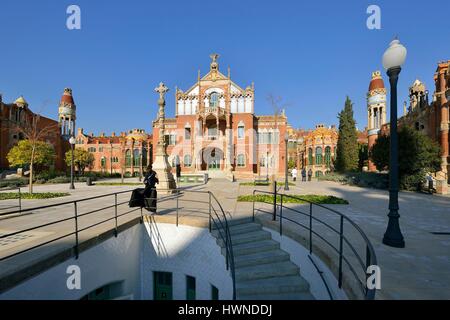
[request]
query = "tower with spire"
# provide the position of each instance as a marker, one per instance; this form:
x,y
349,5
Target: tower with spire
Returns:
x,y
376,110
67,114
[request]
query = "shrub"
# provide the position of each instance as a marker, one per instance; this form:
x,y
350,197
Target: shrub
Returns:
x,y
318,199
360,179
32,196
10,183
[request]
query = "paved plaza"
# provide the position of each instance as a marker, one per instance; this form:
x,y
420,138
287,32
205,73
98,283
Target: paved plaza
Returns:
x,y
419,271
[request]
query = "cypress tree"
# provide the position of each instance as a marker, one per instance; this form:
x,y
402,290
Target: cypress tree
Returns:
x,y
347,145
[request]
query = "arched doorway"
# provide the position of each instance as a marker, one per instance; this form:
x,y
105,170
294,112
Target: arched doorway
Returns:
x,y
212,159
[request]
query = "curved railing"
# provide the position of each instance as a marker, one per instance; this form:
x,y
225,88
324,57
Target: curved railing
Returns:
x,y
75,217
217,220
279,204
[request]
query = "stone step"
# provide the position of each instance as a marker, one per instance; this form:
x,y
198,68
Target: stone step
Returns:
x,y
238,229
278,269
253,247
246,237
276,285
261,258
280,296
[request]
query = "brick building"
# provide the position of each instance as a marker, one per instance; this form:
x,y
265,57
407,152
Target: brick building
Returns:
x,y
129,152
430,118
216,130
18,114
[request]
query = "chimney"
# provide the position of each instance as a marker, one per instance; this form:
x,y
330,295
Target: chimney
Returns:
x,y
80,131
123,134
102,134
91,134
113,134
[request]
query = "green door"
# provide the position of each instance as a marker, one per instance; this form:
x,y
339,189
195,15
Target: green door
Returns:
x,y
190,288
162,284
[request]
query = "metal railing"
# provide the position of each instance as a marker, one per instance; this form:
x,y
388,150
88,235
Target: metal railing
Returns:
x,y
19,198
279,204
217,220
75,218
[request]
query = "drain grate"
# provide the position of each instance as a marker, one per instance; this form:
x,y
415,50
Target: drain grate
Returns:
x,y
441,233
13,239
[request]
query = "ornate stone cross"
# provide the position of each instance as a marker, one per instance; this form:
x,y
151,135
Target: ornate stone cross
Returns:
x,y
162,90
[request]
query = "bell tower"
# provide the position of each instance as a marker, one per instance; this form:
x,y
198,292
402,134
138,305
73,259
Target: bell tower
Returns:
x,y
67,114
376,110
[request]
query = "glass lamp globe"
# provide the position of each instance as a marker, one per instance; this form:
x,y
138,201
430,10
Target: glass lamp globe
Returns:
x,y
395,55
72,140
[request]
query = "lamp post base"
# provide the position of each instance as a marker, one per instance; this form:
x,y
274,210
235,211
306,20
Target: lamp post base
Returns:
x,y
393,236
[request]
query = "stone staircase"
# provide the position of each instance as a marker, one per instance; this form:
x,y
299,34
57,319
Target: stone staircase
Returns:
x,y
263,271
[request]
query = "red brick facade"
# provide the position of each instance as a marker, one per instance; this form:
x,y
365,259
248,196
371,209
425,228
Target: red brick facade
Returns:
x,y
14,115
129,153
215,130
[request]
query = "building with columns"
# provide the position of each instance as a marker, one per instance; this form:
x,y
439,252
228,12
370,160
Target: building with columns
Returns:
x,y
216,130
18,114
316,149
376,111
130,152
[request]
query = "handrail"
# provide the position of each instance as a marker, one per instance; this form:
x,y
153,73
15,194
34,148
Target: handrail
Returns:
x,y
213,219
74,218
370,258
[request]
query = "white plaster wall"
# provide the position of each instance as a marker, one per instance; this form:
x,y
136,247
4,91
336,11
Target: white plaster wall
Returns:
x,y
131,259
299,256
116,259
184,250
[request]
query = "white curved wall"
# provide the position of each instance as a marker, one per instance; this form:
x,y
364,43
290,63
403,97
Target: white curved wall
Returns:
x,y
131,259
185,250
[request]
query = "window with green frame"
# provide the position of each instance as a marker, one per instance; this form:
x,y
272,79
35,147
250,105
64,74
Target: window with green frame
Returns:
x,y
137,157
328,156
144,157
318,155
103,162
310,156
128,158
187,160
241,160
190,288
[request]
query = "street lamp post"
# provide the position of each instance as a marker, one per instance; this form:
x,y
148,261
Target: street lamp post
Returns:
x,y
286,182
393,59
72,142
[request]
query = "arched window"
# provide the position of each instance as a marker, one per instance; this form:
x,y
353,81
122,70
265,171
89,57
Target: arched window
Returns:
x,y
144,157
214,100
310,156
241,130
187,160
128,158
318,155
137,158
328,156
103,162
241,160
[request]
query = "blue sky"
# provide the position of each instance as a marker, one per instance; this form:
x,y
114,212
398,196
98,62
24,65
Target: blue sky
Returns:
x,y
312,53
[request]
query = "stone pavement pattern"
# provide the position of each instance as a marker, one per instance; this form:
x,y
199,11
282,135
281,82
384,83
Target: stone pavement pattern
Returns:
x,y
419,271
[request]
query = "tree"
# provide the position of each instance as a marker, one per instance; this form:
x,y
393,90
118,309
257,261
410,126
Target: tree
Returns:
x,y
347,145
31,128
82,159
418,155
27,153
292,164
279,108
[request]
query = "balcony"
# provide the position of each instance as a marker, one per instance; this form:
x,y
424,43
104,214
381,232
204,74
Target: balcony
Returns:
x,y
214,110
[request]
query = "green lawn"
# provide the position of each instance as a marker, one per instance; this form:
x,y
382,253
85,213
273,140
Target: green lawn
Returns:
x,y
251,184
318,199
119,184
33,196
